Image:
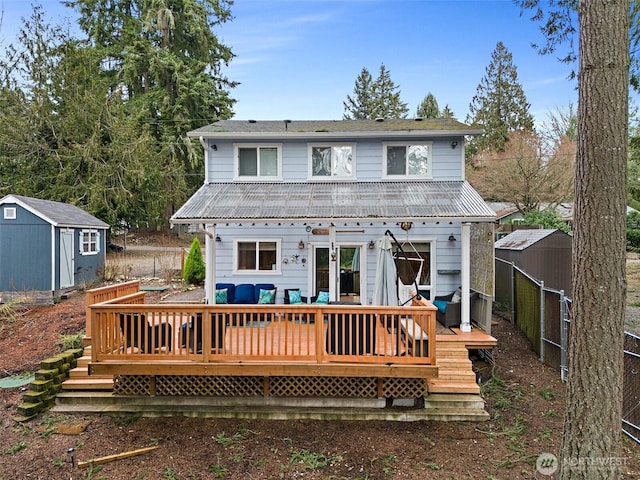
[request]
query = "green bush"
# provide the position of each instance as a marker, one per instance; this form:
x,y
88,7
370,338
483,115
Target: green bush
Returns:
x,y
194,269
633,240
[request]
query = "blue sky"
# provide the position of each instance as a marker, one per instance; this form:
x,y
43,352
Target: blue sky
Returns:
x,y
299,59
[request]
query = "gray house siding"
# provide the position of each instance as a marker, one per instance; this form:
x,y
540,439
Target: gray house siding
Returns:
x,y
448,163
25,251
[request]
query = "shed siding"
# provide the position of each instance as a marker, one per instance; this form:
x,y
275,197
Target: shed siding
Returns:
x,y
25,252
548,260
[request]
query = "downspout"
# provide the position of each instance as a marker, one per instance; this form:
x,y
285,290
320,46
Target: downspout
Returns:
x,y
465,273
205,148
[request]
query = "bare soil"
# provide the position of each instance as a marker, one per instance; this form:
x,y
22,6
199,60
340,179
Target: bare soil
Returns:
x,y
525,400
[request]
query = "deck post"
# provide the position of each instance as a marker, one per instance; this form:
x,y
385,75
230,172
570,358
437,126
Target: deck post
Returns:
x,y
465,310
210,264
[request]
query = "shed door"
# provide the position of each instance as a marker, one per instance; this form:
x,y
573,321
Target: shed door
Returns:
x,y
66,258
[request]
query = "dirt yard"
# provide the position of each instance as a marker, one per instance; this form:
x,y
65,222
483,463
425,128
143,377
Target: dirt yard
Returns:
x,y
524,398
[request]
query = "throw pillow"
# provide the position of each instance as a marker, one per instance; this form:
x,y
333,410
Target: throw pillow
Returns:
x,y
295,296
267,296
323,297
221,295
441,305
457,296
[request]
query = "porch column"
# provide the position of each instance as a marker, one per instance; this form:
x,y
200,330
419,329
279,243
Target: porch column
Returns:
x,y
333,266
465,273
210,263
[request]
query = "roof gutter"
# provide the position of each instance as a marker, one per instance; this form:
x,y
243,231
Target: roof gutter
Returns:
x,y
384,221
334,135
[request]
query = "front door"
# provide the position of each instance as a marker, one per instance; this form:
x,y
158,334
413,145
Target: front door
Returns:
x,y
66,258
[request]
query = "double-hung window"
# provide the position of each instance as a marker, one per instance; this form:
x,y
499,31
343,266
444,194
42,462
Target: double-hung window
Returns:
x,y
255,256
332,160
89,242
252,162
407,159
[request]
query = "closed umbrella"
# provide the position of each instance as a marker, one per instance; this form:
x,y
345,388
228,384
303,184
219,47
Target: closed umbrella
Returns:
x,y
385,291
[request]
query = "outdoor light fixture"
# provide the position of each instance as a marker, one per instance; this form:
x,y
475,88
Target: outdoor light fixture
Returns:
x,y
218,239
301,245
452,238
454,144
372,245
214,147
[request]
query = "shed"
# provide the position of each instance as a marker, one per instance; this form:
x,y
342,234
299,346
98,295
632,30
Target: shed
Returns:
x,y
545,254
47,247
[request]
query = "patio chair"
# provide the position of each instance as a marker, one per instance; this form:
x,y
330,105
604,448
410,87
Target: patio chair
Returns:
x,y
351,334
218,330
138,333
287,296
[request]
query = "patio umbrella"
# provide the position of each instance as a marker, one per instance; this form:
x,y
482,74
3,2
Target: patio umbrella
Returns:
x,y
385,291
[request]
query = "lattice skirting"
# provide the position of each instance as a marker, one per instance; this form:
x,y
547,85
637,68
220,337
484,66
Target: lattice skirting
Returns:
x,y
231,386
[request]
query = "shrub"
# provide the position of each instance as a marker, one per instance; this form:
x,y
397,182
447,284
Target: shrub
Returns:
x,y
194,269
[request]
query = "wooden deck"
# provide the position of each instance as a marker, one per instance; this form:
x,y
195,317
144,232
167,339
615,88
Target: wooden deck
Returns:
x,y
273,341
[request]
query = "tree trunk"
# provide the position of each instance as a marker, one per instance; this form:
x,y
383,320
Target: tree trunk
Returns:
x,y
592,430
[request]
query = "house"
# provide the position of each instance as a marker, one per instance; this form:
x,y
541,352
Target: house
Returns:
x,y
545,254
298,219
47,247
303,203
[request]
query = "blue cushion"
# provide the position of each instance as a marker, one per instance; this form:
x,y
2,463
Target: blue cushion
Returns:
x,y
267,296
261,286
323,297
244,293
441,305
231,290
221,295
295,296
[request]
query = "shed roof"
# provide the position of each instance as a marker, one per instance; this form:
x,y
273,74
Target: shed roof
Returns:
x,y
364,201
334,128
523,239
57,214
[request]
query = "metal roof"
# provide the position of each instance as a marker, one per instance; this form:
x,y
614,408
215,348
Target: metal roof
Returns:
x,y
364,201
522,239
56,213
334,128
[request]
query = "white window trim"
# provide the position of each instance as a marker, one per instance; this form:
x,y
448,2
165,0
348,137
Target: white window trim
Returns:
x,y
331,178
429,174
236,163
82,243
276,271
10,213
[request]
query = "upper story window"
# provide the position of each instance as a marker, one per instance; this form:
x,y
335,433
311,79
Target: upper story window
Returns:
x,y
407,160
89,242
255,256
332,160
253,162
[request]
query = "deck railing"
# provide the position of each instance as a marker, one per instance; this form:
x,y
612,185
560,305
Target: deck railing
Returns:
x,y
125,330
103,294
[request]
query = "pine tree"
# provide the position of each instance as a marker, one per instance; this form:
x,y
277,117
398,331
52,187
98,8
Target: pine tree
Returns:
x,y
359,107
447,112
374,99
499,105
429,107
386,94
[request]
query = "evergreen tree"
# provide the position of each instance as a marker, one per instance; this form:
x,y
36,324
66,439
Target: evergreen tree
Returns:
x,y
359,107
447,112
499,105
374,99
194,268
386,97
429,107
165,58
